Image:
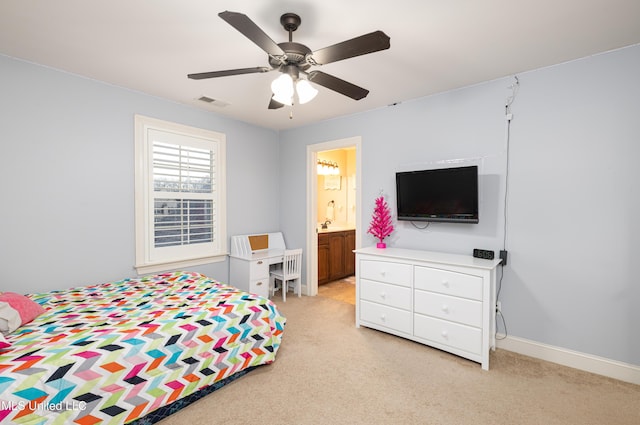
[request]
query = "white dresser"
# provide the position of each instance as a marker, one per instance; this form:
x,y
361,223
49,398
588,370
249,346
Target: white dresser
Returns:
x,y
443,300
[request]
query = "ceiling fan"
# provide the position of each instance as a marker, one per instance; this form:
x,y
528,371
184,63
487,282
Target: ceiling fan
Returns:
x,y
294,59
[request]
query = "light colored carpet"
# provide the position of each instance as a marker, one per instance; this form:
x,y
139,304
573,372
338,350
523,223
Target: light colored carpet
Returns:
x,y
341,290
329,372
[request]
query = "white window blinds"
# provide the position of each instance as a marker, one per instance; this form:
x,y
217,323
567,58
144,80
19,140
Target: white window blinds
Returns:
x,y
184,186
180,194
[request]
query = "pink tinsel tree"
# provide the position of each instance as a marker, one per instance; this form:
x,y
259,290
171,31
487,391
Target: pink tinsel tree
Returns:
x,y
381,225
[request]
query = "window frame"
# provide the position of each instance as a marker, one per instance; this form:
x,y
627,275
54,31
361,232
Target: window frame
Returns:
x,y
150,259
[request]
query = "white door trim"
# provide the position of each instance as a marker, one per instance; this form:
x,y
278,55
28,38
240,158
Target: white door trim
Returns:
x,y
312,200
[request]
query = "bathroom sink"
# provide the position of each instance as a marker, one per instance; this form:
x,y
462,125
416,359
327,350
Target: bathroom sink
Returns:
x,y
336,228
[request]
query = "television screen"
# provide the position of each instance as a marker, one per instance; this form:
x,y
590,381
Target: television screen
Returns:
x,y
443,194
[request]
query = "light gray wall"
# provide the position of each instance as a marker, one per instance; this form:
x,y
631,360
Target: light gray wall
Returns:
x,y
67,177
67,186
573,228
573,191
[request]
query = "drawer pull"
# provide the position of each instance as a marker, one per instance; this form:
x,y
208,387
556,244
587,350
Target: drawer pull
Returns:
x,y
445,308
382,272
444,334
383,318
258,283
445,283
383,295
260,262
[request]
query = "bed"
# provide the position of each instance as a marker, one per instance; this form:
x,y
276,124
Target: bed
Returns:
x,y
134,350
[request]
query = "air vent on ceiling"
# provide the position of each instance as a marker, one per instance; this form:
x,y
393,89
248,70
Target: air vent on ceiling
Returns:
x,y
216,102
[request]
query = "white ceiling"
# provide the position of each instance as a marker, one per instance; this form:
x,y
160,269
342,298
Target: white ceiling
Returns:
x,y
436,45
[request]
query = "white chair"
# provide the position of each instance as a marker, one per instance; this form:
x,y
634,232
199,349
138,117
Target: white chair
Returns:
x,y
290,272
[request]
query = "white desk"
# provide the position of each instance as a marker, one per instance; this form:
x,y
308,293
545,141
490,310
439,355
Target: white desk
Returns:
x,y
250,259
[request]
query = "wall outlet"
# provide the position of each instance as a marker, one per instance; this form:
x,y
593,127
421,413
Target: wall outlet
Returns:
x,y
503,257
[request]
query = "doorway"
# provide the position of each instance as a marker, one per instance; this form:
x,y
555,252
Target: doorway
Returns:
x,y
353,182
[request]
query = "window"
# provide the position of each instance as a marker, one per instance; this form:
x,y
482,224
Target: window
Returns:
x,y
180,195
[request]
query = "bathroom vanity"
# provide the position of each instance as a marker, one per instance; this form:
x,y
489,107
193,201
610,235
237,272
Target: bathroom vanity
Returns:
x,y
336,259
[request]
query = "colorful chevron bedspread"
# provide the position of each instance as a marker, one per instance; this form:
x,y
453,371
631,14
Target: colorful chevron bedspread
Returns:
x,y
112,353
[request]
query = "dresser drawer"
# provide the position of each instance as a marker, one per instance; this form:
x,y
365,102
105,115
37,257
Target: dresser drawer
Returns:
x,y
454,335
383,293
384,271
448,282
389,317
460,310
259,269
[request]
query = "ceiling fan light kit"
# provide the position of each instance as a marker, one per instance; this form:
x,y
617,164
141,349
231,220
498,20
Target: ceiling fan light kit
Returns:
x,y
292,59
306,92
282,88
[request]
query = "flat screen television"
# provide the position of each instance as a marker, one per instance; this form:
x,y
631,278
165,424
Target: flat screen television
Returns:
x,y
442,194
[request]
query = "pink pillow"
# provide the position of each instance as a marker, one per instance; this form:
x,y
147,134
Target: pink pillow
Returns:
x,y
3,342
26,308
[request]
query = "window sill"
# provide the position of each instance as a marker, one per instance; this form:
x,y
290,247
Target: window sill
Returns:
x,y
179,264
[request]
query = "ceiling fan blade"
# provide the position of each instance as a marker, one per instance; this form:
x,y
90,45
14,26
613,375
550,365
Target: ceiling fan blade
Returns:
x,y
253,32
338,85
358,46
214,74
274,104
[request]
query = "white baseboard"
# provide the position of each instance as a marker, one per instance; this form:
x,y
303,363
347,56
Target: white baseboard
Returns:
x,y
589,363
